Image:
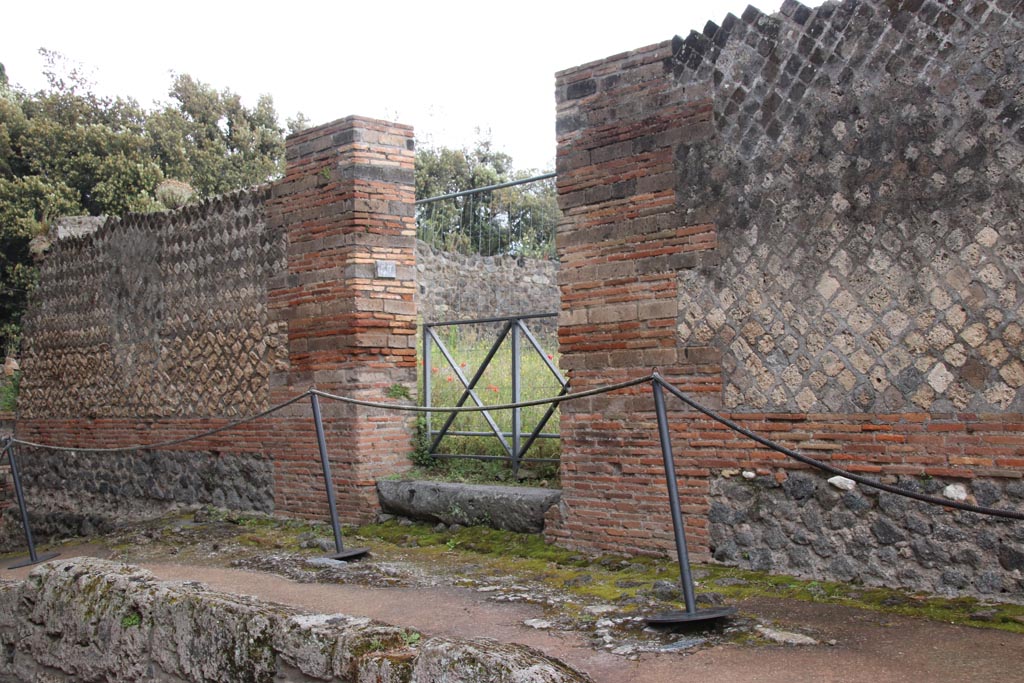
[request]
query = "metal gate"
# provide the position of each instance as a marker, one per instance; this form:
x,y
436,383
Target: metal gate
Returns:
x,y
514,330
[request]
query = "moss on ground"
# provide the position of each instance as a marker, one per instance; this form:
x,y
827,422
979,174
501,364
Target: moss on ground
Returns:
x,y
621,579
480,554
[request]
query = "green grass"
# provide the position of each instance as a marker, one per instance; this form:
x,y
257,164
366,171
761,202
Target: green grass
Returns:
x,y
469,348
131,619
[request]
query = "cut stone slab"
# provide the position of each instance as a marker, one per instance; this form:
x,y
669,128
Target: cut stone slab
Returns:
x,y
510,508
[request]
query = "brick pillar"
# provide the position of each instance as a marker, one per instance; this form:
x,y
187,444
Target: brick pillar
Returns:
x,y
621,243
346,298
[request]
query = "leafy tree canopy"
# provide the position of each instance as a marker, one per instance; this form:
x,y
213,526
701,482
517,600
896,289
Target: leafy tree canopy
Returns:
x,y
518,220
67,151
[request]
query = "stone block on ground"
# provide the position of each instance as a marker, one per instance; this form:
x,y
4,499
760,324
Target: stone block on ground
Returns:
x,y
510,508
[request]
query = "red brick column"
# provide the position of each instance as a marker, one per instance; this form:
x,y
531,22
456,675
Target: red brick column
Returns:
x,y
346,297
621,243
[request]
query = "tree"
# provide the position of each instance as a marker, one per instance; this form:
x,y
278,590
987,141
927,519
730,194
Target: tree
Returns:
x,y
518,220
209,140
66,151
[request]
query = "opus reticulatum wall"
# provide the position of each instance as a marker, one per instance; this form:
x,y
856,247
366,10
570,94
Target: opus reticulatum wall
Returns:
x,y
810,221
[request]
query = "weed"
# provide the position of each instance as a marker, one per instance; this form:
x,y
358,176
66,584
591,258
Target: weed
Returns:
x,y
131,620
420,454
9,387
410,638
399,391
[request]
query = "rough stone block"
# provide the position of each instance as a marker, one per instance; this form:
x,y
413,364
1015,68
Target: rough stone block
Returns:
x,y
512,508
88,619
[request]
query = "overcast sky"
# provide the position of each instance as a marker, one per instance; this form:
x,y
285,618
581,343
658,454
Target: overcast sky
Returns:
x,y
447,68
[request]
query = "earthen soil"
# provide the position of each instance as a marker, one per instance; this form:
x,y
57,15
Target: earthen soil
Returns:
x,y
857,645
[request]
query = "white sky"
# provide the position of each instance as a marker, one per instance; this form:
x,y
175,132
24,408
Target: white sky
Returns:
x,y
447,68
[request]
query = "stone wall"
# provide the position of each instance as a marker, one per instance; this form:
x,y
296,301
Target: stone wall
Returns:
x,y
159,327
807,526
157,315
810,220
869,234
457,287
85,493
92,620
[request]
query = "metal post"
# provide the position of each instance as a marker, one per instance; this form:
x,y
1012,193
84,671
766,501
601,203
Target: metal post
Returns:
x,y
341,553
516,397
673,498
20,495
426,378
686,576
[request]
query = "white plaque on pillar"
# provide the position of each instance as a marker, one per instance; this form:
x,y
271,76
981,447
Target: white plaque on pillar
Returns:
x,y
387,269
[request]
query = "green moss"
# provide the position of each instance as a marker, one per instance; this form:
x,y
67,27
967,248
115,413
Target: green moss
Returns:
x,y
950,610
483,540
380,641
480,554
617,579
260,541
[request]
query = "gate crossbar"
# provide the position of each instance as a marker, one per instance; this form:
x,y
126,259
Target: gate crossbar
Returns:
x,y
515,328
469,385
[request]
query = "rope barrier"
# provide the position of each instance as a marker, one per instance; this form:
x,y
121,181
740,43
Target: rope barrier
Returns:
x,y
860,479
342,399
825,467
171,442
499,406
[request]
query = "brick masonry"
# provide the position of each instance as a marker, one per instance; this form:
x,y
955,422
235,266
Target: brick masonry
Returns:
x,y
161,326
811,221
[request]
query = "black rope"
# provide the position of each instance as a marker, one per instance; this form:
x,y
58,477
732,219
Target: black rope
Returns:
x,y
866,481
487,188
967,507
342,399
498,406
172,442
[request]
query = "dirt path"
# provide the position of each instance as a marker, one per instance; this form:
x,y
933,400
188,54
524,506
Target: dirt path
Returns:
x,y
870,647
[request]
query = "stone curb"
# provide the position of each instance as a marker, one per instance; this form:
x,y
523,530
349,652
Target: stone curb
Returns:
x,y
91,619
